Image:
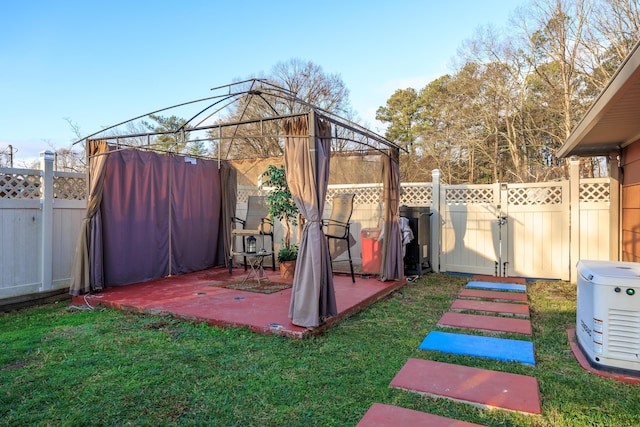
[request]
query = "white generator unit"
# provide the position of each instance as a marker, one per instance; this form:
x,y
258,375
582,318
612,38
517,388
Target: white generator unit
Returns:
x,y
608,315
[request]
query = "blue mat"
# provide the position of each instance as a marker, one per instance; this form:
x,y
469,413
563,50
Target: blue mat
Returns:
x,y
498,286
473,345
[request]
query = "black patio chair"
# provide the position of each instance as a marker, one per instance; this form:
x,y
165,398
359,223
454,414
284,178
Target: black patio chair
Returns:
x,y
337,227
256,223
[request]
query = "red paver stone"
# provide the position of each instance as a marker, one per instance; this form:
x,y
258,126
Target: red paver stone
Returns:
x,y
485,323
380,415
491,307
480,387
493,295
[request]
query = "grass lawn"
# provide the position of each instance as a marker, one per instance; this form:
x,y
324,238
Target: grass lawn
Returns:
x,y
105,367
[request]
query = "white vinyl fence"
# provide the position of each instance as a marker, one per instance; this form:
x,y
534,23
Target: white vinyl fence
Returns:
x,y
530,230
537,230
367,210
41,213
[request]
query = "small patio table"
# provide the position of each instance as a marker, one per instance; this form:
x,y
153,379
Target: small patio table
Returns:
x,y
255,261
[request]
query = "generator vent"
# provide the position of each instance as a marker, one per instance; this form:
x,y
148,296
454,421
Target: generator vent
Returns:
x,y
624,334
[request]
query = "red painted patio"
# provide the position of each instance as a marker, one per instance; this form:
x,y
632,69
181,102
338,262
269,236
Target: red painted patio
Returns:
x,y
199,297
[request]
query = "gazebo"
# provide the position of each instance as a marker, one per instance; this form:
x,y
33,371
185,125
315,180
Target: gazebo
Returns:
x,y
154,211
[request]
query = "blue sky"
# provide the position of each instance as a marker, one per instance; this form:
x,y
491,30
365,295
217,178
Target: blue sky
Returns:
x,y
99,63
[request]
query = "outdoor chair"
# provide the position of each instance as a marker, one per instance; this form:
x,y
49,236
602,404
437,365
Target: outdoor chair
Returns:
x,y
257,223
336,228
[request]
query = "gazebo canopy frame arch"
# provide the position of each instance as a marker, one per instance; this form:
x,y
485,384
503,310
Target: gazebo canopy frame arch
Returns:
x,y
304,132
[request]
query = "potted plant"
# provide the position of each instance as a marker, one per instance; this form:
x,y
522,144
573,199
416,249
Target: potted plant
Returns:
x,y
283,207
287,256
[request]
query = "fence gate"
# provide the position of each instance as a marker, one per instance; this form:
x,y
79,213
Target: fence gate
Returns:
x,y
538,237
470,232
506,229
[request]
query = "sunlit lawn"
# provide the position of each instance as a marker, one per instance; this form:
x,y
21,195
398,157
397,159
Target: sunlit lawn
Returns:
x,y
105,367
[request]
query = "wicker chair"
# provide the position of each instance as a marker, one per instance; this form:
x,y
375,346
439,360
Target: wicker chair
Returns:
x,y
338,225
257,223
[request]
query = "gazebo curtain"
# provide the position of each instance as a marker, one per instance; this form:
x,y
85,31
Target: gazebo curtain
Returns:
x,y
196,195
135,220
392,266
148,215
87,270
160,216
229,181
307,148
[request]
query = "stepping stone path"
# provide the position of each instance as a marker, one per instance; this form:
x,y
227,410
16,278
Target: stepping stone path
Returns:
x,y
479,387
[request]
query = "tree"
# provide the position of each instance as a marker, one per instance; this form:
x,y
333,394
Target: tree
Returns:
x,y
304,79
514,100
613,32
310,83
401,115
280,202
437,129
174,142
6,156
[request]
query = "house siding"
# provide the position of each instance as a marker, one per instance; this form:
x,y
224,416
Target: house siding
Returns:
x,y
631,203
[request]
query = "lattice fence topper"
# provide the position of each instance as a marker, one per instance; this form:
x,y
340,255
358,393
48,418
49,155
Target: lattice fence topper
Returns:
x,y
416,194
421,193
20,186
469,196
413,194
363,194
595,192
69,188
534,196
245,192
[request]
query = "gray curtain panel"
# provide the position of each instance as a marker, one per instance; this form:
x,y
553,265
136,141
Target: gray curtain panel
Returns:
x,y
307,166
196,207
149,215
392,265
135,217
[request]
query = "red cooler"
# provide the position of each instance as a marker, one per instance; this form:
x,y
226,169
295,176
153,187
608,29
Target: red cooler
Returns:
x,y
370,250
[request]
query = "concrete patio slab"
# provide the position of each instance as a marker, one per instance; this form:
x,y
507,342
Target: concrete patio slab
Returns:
x,y
199,297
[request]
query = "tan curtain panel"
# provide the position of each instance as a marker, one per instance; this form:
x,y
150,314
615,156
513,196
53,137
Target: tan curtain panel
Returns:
x,y
85,277
229,180
392,266
307,151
